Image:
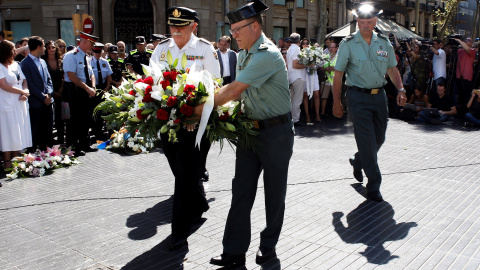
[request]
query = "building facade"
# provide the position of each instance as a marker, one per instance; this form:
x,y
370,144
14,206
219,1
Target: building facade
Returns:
x,y
124,19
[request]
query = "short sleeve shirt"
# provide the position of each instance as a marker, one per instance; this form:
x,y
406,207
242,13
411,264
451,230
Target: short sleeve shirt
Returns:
x,y
263,68
198,51
365,65
74,61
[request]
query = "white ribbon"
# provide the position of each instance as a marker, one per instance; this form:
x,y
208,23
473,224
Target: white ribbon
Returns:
x,y
207,108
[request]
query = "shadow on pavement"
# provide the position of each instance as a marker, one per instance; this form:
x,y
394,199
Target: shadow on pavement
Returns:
x,y
145,224
371,224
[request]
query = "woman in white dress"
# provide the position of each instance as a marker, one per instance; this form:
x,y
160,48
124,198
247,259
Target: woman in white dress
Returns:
x,y
15,133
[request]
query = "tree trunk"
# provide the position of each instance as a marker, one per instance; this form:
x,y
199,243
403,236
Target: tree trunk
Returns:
x,y
322,21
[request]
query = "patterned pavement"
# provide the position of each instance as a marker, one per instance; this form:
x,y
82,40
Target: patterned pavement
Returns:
x,y
113,211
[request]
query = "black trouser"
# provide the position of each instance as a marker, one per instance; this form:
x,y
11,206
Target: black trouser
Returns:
x,y
59,122
81,113
186,163
41,121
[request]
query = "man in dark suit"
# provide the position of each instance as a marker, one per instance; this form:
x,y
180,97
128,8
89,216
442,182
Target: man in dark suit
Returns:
x,y
227,59
40,99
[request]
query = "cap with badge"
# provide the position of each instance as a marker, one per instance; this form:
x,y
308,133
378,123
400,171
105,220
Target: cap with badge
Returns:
x,y
249,10
88,37
181,16
366,10
113,49
140,40
98,47
158,37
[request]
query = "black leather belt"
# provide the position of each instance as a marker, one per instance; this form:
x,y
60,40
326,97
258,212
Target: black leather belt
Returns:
x,y
272,122
372,91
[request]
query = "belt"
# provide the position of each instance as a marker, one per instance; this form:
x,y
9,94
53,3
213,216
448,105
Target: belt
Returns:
x,y
272,122
372,91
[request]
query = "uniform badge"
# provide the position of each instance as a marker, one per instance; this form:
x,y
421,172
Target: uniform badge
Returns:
x,y
215,54
162,57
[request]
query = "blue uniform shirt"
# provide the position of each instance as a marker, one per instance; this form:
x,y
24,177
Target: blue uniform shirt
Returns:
x,y
74,61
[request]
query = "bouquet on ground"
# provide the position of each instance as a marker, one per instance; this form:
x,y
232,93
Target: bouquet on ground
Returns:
x,y
41,162
230,122
122,141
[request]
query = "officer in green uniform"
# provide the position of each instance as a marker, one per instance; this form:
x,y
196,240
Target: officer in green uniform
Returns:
x,y
117,65
137,57
365,57
262,83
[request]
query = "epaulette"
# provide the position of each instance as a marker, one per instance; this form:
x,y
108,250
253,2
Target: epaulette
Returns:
x,y
262,47
348,38
382,36
205,41
165,40
133,51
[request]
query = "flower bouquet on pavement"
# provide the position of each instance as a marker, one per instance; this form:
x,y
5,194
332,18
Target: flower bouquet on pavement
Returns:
x,y
41,162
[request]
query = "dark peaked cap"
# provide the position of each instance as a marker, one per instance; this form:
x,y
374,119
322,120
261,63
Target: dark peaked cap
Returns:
x,y
366,10
249,10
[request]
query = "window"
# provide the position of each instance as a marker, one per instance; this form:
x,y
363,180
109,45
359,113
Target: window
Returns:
x,y
20,29
300,3
279,2
66,31
278,32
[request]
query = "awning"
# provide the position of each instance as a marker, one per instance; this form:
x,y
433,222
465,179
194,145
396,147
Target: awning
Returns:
x,y
386,26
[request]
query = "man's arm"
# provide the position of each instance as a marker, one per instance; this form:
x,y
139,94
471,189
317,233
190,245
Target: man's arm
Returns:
x,y
337,94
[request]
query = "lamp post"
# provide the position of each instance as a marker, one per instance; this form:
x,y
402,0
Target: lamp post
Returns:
x,y
290,7
412,27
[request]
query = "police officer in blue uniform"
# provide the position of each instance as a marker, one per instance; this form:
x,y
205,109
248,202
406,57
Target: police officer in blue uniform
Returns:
x,y
79,89
365,57
117,65
139,56
103,77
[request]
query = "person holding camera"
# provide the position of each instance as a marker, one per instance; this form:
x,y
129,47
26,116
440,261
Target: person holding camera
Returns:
x,y
439,62
466,55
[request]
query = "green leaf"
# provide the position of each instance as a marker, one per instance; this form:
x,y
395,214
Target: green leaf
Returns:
x,y
184,61
169,58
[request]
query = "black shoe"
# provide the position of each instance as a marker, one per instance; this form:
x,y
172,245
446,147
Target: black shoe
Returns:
x,y
356,173
229,260
79,153
265,254
177,243
90,149
375,196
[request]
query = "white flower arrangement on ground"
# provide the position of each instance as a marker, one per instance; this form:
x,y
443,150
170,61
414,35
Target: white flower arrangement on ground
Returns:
x,y
41,162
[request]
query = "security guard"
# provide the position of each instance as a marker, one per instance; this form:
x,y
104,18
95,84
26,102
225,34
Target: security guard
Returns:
x,y
262,82
117,65
102,71
365,57
79,89
156,38
137,57
189,200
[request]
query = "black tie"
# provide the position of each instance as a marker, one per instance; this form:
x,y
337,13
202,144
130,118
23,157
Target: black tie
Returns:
x,y
100,79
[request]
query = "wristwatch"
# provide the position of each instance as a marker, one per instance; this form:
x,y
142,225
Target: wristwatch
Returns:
x,y
402,90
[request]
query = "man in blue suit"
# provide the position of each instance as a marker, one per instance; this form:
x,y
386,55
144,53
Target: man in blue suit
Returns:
x,y
40,99
227,59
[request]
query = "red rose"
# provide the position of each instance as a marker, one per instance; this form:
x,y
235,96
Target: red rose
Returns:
x,y
147,98
165,84
132,92
139,80
162,114
148,89
139,114
189,89
186,110
148,81
178,120
171,101
224,116
166,75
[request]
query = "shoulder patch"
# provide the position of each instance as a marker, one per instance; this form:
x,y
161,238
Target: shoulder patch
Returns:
x,y
205,41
